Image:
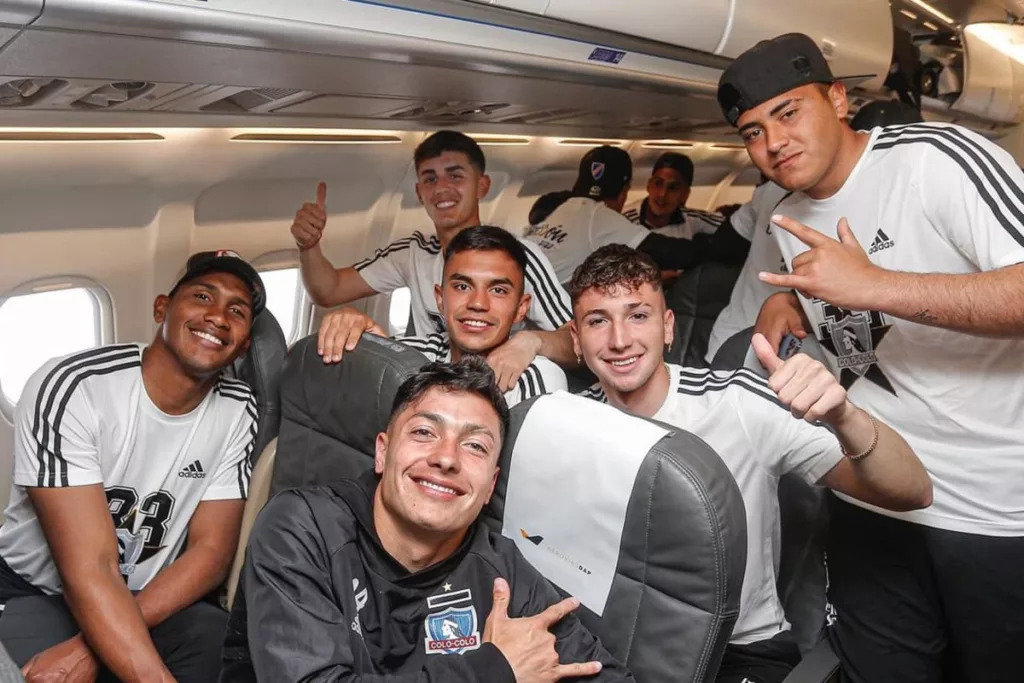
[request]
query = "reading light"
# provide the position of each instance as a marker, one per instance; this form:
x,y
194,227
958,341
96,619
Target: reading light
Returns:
x,y
934,12
668,144
586,142
64,135
501,140
726,147
318,138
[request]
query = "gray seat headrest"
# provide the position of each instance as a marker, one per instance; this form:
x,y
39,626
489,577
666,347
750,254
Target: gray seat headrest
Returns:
x,y
331,414
736,352
261,368
672,512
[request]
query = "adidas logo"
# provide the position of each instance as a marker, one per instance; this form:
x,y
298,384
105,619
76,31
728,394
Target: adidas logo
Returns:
x,y
881,242
193,471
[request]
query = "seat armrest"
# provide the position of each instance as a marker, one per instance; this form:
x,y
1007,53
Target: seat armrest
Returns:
x,y
820,665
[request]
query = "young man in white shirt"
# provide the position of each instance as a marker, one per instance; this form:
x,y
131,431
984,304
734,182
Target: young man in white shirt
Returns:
x,y
451,181
621,326
569,226
664,210
482,296
131,465
906,252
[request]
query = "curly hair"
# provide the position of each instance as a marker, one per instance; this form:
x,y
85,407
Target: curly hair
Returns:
x,y
612,266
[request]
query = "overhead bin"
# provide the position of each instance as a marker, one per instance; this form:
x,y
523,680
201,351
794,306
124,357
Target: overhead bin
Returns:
x,y
856,37
15,15
993,83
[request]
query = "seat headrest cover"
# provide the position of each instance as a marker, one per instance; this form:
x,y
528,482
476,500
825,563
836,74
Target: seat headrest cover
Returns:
x,y
332,413
572,449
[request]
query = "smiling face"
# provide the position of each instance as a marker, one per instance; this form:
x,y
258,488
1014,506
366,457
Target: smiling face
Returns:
x,y
450,188
481,298
621,333
438,462
206,324
666,192
795,138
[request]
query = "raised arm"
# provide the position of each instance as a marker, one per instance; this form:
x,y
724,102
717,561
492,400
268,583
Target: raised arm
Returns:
x,y
327,286
885,471
81,538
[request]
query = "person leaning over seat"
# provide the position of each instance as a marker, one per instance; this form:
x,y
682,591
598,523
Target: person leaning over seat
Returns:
x,y
450,182
569,226
906,252
481,296
386,578
664,210
125,456
799,420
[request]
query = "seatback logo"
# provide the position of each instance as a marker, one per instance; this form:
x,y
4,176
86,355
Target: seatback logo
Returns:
x,y
455,629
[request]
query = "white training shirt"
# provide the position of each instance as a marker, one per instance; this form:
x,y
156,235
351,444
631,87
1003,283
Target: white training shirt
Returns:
x,y
577,228
87,419
752,221
684,223
933,198
416,262
540,377
759,440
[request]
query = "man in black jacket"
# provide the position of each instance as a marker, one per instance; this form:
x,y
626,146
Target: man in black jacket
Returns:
x,y
384,579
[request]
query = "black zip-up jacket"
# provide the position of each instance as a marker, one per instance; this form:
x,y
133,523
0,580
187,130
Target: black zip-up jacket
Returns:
x,y
325,602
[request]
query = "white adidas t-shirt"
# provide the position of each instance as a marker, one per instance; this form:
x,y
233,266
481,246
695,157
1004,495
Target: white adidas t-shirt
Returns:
x,y
933,198
684,223
759,440
576,229
752,221
540,377
87,419
416,262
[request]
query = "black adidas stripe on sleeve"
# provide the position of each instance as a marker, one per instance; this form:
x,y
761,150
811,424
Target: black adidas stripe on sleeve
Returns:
x,y
548,292
416,240
1003,195
52,399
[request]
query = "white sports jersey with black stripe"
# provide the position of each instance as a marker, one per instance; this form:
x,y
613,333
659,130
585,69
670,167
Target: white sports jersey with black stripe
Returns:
x,y
684,223
416,262
752,221
540,377
739,416
933,198
579,227
86,419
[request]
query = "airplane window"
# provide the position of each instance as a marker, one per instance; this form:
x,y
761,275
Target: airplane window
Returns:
x,y
398,319
37,327
285,296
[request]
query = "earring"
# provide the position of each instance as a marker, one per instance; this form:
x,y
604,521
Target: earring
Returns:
x,y
579,359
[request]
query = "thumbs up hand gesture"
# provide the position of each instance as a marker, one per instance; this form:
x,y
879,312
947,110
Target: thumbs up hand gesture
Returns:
x,y
310,220
804,385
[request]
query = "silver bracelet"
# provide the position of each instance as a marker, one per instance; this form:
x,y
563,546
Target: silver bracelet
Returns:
x,y
874,442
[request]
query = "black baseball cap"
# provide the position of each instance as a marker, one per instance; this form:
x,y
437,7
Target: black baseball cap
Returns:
x,y
226,261
773,67
604,172
680,163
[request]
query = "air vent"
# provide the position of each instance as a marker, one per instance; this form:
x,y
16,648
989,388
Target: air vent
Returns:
x,y
257,100
114,94
450,111
25,92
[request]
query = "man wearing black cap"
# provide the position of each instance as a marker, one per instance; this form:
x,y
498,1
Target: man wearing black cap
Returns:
x,y
569,226
131,464
664,210
905,247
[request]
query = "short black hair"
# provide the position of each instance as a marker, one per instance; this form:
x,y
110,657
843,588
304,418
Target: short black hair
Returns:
x,y
611,266
488,238
450,141
471,375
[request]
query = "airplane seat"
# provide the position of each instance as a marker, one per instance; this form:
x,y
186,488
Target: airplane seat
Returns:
x,y
672,589
331,414
259,494
697,298
261,368
642,522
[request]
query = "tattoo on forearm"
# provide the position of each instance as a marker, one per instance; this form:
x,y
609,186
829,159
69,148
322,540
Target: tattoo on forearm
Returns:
x,y
925,316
